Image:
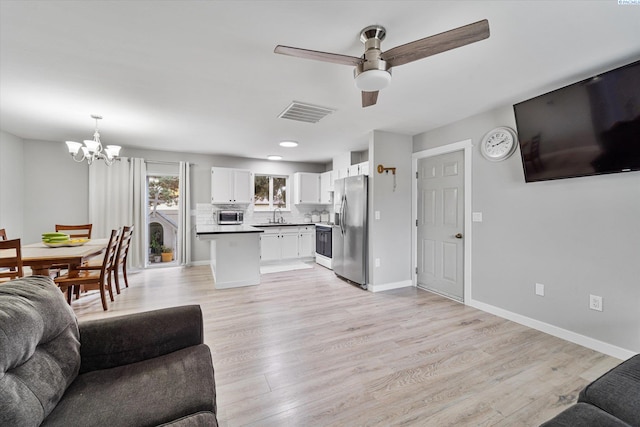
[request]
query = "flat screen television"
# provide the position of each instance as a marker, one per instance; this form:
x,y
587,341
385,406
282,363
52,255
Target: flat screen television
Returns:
x,y
588,128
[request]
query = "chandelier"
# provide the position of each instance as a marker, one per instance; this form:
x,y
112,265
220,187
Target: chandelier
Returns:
x,y
92,149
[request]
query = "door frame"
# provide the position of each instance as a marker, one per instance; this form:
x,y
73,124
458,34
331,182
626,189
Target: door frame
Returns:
x,y
466,146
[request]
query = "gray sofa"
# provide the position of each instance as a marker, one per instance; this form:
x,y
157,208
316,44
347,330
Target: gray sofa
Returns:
x,y
613,400
143,369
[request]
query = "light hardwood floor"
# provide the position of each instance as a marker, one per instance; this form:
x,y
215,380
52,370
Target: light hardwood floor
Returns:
x,y
305,348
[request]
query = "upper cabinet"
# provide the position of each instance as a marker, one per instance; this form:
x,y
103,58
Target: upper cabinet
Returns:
x,y
326,188
359,169
230,186
306,189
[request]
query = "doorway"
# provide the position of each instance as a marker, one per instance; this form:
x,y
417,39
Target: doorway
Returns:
x,y
442,204
163,197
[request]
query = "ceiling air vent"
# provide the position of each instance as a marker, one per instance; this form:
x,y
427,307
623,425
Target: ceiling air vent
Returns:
x,y
305,112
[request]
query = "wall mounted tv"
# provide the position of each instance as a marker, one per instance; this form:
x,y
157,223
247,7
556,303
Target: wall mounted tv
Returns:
x,y
588,128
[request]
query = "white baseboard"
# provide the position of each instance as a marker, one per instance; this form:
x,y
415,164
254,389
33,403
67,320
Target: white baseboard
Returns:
x,y
196,263
389,286
588,342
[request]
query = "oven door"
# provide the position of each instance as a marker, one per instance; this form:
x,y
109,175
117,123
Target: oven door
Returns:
x,y
323,241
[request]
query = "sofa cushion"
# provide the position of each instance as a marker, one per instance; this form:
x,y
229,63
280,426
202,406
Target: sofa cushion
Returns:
x,y
40,353
617,392
147,393
584,414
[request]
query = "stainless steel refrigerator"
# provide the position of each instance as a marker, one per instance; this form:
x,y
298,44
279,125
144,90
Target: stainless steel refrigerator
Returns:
x,y
349,233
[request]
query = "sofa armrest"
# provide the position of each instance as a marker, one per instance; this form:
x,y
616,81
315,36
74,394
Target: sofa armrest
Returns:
x,y
116,341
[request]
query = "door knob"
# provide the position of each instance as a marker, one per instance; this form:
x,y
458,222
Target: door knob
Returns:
x,y
458,236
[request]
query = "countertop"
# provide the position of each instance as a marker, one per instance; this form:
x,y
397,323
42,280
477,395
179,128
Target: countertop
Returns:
x,y
293,224
226,229
283,224
324,224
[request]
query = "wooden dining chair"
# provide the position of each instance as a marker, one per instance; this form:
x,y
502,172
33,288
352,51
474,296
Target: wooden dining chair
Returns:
x,y
75,231
91,278
121,256
80,231
11,263
3,234
120,259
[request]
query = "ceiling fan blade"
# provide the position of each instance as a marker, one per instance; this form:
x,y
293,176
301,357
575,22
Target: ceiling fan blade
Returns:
x,y
369,98
438,43
319,56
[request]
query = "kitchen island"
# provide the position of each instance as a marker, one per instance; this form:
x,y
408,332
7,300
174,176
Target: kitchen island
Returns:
x,y
235,254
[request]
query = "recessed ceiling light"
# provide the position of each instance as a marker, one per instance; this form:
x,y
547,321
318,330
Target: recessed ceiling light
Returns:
x,y
288,144
274,157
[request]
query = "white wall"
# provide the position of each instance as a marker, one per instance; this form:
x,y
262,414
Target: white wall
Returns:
x,y
390,236
576,236
56,189
11,187
46,187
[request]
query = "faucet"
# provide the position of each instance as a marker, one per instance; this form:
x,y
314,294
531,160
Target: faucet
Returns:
x,y
274,215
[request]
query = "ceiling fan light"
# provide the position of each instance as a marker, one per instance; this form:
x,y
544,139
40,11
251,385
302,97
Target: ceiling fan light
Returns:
x,y
274,157
373,80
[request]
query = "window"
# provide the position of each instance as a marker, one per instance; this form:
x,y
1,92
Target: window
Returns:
x,y
270,192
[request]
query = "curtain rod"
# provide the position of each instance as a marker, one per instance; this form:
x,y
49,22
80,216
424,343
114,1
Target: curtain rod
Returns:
x,y
162,162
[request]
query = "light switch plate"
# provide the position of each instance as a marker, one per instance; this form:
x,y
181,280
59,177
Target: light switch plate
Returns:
x,y
476,216
377,214
540,289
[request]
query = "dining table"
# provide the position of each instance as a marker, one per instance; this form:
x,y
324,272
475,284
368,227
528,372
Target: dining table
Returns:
x,y
40,257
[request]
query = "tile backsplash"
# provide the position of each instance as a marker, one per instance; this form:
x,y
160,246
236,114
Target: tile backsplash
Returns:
x,y
205,213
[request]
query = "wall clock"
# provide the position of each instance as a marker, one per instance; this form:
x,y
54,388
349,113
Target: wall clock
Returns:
x,y
498,144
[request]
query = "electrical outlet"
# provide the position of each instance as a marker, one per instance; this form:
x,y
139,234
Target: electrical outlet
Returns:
x,y
540,289
377,262
595,302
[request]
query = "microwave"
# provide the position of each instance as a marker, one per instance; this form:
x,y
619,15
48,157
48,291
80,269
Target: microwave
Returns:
x,y
230,217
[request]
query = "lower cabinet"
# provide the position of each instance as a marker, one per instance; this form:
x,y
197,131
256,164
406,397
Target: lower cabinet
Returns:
x,y
307,242
281,243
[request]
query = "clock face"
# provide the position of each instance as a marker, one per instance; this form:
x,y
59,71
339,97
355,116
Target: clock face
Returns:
x,y
498,144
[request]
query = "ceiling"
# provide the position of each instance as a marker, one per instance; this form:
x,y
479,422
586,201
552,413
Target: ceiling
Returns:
x,y
201,76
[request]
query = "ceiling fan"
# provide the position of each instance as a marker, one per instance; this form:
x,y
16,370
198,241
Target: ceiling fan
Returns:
x,y
373,69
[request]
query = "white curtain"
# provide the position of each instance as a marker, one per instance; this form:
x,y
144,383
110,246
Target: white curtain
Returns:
x,y
117,195
184,215
109,197
137,257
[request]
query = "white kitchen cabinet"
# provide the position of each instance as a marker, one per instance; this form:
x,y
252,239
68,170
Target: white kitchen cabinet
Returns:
x,y
306,188
270,245
363,168
359,169
326,188
231,185
307,242
340,173
354,170
287,242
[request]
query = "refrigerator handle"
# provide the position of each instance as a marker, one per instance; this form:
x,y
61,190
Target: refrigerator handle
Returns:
x,y
343,226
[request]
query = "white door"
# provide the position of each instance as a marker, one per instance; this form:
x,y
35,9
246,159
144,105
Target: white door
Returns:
x,y
441,224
